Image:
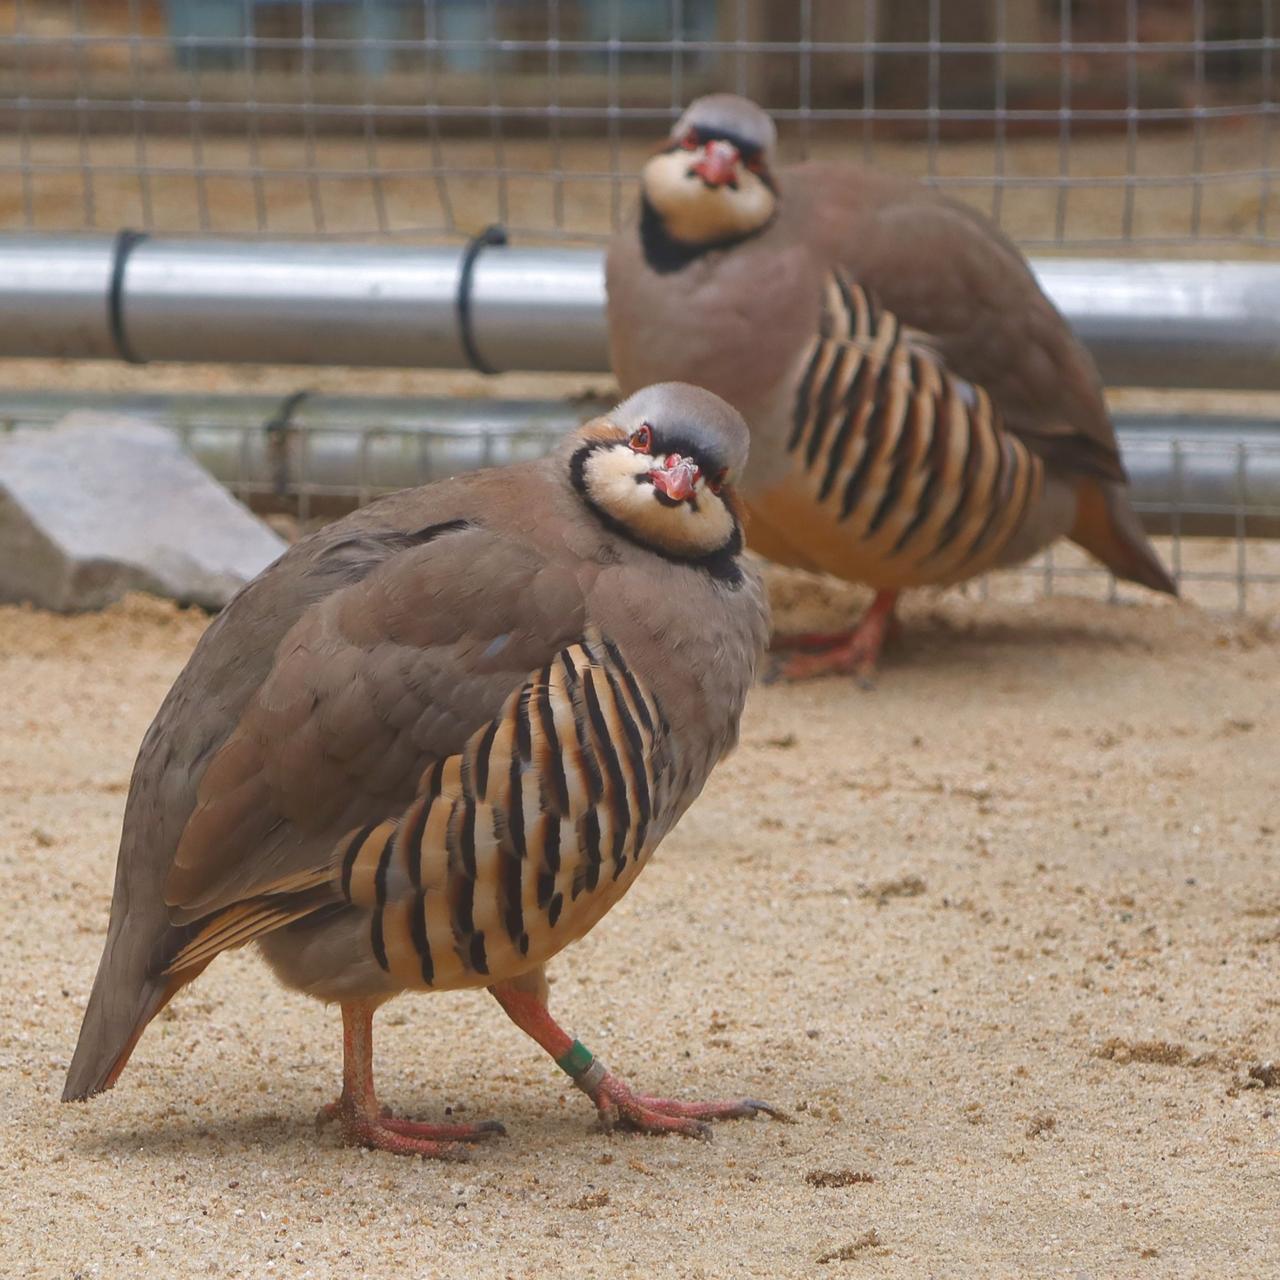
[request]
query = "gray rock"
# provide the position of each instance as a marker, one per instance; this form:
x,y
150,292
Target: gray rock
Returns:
x,y
101,505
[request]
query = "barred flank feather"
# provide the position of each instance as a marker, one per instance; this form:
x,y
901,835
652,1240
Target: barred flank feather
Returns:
x,y
513,847
911,466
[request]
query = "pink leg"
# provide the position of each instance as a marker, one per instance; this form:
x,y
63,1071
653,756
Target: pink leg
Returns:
x,y
364,1124
855,654
616,1102
809,641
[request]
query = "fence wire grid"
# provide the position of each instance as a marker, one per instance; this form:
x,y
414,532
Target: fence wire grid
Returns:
x,y
1213,506
1138,127
1212,503
1074,123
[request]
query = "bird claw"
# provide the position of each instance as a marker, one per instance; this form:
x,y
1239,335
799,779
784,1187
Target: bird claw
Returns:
x,y
381,1136
649,1120
774,1113
854,653
480,1132
383,1131
850,659
618,1106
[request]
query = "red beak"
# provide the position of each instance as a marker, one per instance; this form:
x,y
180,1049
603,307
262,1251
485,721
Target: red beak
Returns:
x,y
719,165
676,478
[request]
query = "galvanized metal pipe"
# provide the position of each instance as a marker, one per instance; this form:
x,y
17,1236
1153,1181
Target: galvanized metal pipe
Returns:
x,y
1204,477
1196,475
1173,324
1169,324
230,302
54,297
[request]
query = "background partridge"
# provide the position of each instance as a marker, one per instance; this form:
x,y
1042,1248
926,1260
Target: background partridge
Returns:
x,y
436,741
920,412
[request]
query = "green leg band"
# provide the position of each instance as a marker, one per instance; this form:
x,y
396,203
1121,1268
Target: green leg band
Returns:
x,y
576,1062
584,1070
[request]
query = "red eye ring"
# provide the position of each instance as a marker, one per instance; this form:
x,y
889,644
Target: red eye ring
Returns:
x,y
689,141
642,438
714,483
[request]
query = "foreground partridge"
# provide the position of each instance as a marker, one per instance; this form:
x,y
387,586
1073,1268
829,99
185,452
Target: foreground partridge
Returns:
x,y
919,411
436,741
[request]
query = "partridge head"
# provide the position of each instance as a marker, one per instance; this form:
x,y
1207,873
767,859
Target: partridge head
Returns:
x,y
661,472
436,741
712,183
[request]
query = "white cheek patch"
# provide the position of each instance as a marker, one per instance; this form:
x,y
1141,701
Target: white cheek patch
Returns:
x,y
698,214
610,476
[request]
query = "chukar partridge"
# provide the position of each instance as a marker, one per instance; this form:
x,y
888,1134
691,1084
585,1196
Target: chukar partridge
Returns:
x,y
436,741
919,410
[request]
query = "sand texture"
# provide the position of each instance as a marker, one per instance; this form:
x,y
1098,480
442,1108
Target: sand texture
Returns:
x,y
1002,935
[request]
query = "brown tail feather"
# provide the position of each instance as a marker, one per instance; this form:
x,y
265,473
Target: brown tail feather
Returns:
x,y
166,993
1107,527
137,979
106,1044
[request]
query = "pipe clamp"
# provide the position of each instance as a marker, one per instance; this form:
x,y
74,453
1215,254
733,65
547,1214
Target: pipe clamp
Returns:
x,y
492,235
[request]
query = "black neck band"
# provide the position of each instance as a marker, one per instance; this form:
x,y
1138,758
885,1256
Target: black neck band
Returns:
x,y
721,564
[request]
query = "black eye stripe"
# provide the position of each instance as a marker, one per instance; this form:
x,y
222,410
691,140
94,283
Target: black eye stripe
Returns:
x,y
749,151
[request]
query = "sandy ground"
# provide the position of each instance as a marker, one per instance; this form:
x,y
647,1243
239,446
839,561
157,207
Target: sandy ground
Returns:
x,y
1001,935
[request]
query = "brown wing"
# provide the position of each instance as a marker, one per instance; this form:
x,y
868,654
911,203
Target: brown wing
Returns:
x,y
369,687
197,719
944,269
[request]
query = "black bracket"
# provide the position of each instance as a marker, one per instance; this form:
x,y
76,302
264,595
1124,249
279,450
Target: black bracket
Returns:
x,y
126,242
277,429
494,235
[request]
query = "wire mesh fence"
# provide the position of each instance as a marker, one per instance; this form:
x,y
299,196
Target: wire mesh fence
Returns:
x,y
1131,126
1212,502
1123,123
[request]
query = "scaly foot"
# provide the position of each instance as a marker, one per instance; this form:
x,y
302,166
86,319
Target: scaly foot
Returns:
x,y
381,1131
365,1124
618,1104
855,654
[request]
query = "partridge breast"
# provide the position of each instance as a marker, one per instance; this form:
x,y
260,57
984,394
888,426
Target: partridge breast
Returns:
x,y
899,473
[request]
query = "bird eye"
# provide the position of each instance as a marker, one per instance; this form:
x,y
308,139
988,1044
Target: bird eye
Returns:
x,y
642,439
689,141
716,481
